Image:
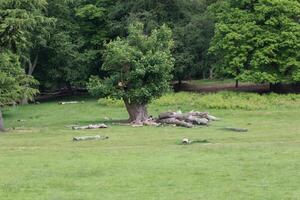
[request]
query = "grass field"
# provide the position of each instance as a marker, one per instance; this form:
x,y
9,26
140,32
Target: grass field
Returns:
x,y
39,160
216,82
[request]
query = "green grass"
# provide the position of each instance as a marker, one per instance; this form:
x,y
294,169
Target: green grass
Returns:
x,y
39,160
216,82
220,100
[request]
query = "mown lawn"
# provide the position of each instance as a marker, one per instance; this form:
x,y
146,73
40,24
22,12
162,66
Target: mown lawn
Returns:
x,y
39,160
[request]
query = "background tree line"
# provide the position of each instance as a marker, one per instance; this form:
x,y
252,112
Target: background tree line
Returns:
x,y
61,42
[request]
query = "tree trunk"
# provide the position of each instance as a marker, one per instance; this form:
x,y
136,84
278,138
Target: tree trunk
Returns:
x,y
24,101
177,87
236,83
31,68
211,73
276,87
70,89
203,75
138,113
1,123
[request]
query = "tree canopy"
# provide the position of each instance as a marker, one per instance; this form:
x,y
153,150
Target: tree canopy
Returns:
x,y
258,40
139,67
14,83
17,19
61,43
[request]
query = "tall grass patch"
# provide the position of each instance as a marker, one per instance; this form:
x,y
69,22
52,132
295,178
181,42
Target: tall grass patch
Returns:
x,y
221,100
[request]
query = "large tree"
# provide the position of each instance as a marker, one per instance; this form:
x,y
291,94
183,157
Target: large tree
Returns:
x,y
14,84
258,40
22,24
17,19
139,69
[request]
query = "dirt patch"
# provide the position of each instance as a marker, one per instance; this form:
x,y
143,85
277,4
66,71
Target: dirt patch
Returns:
x,y
257,88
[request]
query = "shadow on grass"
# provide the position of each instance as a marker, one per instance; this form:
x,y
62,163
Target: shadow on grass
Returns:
x,y
107,122
6,114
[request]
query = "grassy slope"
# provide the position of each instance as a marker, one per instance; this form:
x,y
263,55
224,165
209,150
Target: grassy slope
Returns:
x,y
40,161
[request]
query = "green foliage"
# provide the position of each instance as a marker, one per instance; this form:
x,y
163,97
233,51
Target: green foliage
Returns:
x,y
63,41
192,38
139,66
221,100
17,19
58,47
258,41
90,12
14,84
74,44
192,29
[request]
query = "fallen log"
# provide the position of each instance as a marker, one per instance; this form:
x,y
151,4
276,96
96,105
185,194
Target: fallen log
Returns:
x,y
186,141
196,120
178,118
96,137
205,115
187,116
91,126
70,102
176,122
186,119
199,114
166,115
212,118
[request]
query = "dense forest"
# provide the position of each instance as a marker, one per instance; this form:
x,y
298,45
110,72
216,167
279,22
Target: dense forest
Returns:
x,y
51,44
